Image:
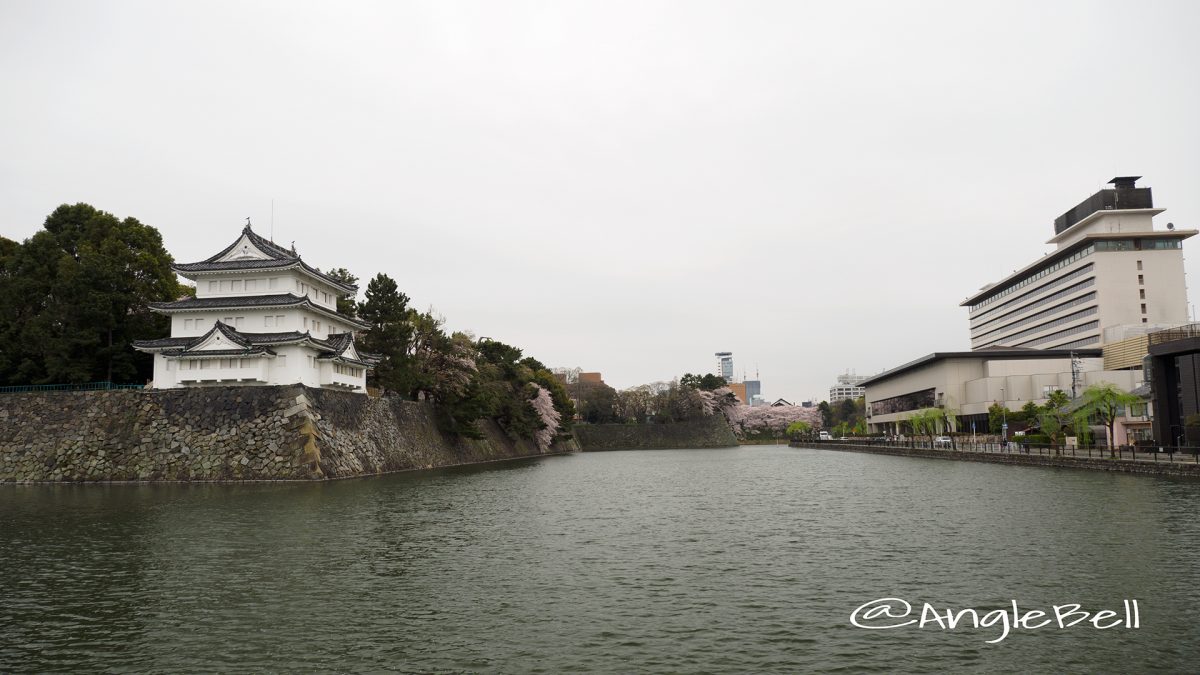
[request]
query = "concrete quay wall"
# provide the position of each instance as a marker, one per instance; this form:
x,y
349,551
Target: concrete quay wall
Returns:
x,y
1163,468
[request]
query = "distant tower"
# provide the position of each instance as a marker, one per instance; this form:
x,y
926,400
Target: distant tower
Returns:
x,y
725,365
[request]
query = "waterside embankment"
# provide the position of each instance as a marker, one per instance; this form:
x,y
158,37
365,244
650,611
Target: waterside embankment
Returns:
x,y
1094,463
706,432
231,434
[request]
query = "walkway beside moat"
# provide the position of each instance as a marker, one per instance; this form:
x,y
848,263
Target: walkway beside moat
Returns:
x,y
1096,459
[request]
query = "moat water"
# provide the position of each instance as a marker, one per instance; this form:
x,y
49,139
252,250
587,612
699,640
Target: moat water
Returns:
x,y
747,560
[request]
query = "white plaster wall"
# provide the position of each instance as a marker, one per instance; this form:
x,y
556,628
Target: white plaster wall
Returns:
x,y
266,282
1111,223
244,283
1162,280
254,321
1007,367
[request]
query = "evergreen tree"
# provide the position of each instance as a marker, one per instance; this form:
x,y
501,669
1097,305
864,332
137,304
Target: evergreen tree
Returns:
x,y
76,294
391,333
345,305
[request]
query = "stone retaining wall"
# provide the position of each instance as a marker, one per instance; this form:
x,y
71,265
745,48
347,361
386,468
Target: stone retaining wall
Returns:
x,y
229,434
706,432
1094,463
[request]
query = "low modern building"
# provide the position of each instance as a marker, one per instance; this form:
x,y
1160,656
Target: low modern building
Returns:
x,y
970,382
1110,267
261,316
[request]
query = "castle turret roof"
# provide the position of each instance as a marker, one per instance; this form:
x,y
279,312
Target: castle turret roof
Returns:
x,y
252,252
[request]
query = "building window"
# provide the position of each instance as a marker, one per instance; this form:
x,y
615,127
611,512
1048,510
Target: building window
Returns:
x,y
281,360
279,320
1160,244
213,287
1139,265
1141,280
251,284
1142,293
1143,308
1144,320
237,321
188,324
1115,245
1079,255
236,285
268,321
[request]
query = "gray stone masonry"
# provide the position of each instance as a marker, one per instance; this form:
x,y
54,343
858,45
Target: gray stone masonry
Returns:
x,y
707,432
230,434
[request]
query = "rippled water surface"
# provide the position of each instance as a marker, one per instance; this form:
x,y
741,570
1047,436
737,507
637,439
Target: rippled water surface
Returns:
x,y
746,559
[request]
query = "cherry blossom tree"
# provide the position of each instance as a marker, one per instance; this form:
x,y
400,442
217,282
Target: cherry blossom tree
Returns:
x,y
543,404
771,421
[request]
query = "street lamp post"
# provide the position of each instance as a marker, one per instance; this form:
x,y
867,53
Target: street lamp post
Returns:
x,y
1004,418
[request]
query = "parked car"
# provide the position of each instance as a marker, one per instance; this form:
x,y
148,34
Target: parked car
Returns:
x,y
825,436
942,442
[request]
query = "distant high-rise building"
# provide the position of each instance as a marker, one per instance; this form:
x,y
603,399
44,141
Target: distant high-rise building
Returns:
x,y
848,386
753,389
725,366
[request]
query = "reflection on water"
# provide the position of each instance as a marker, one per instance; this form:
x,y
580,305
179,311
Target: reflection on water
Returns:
x,y
704,560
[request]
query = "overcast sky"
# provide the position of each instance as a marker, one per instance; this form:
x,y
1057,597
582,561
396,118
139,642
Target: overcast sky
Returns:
x,y
628,187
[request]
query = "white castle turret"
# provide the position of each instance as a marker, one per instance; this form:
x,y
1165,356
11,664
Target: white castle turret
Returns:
x,y
261,316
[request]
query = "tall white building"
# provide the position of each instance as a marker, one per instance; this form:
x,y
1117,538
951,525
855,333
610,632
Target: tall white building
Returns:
x,y
1110,267
261,316
725,365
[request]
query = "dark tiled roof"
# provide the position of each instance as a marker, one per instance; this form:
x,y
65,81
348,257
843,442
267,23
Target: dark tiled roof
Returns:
x,y
265,245
333,347
279,258
252,351
233,265
243,301
163,343
338,343
280,300
276,338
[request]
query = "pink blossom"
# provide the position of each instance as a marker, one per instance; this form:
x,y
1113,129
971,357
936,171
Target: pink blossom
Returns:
x,y
771,419
544,406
